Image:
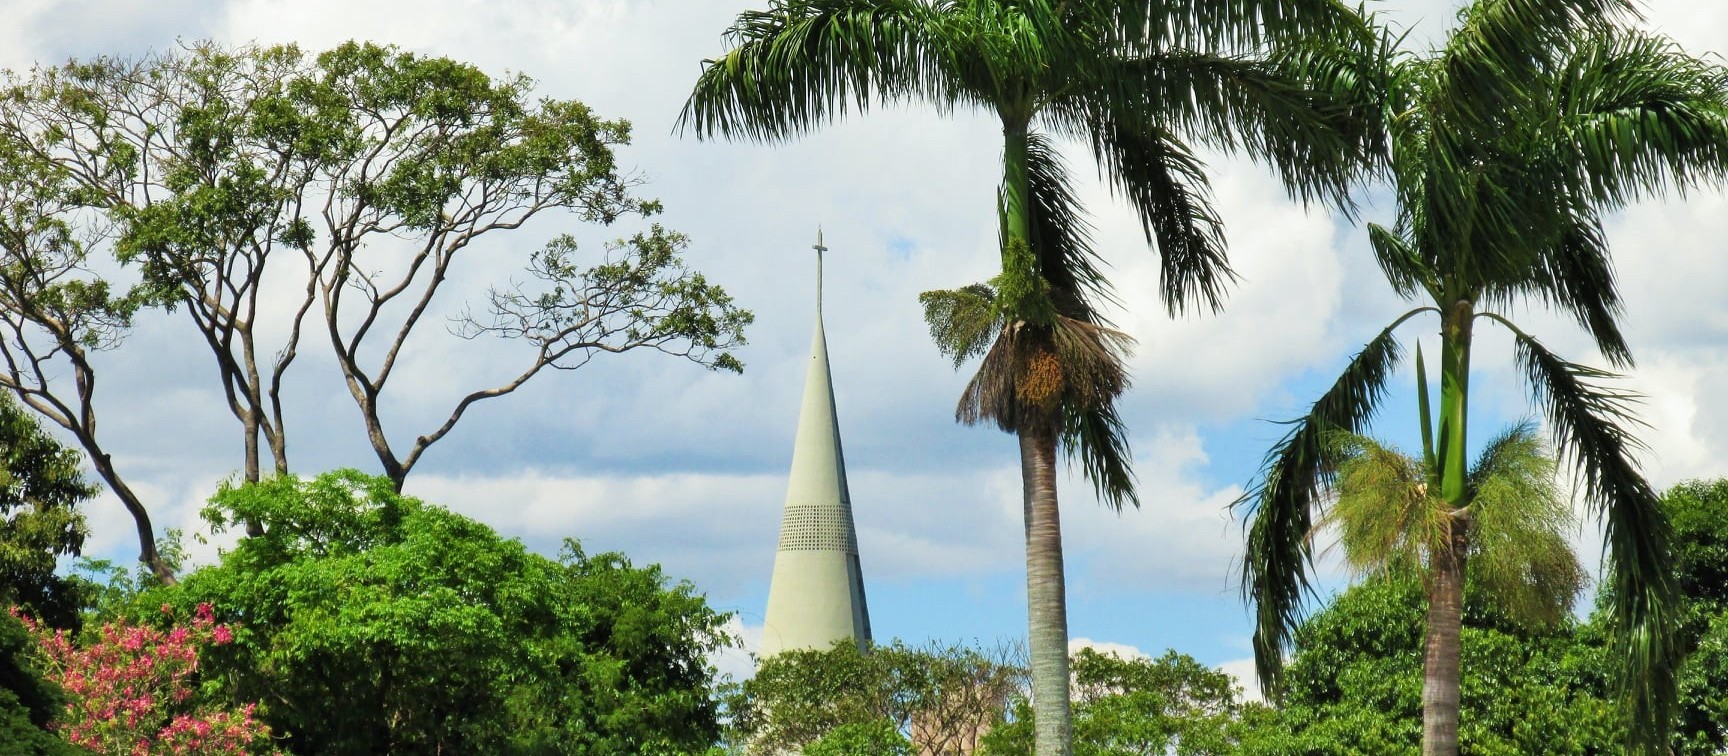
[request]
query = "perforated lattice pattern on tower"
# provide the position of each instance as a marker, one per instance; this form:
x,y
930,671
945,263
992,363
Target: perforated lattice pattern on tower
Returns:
x,y
823,527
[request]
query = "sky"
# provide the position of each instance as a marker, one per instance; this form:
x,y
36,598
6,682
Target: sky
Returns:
x,y
669,463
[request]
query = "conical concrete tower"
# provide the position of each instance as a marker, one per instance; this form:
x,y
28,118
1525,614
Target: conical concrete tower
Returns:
x,y
817,593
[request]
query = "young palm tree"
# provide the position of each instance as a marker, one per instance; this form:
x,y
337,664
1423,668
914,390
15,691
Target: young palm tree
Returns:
x,y
1142,82
1507,148
1511,531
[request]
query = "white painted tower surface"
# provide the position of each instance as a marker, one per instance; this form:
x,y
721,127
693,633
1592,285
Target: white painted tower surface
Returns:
x,y
816,596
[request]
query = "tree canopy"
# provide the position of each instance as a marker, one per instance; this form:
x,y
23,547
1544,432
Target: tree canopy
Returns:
x,y
367,621
274,200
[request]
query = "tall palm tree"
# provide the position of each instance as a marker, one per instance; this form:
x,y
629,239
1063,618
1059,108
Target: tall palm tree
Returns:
x,y
1511,531
1143,83
1507,147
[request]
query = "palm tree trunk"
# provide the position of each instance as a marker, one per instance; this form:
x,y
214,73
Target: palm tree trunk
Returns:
x,y
1441,676
1046,597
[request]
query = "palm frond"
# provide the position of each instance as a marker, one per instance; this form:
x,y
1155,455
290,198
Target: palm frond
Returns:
x,y
1385,516
990,394
1240,24
1639,116
1590,424
1501,50
1292,482
1062,237
1577,275
1399,261
962,321
1521,528
1097,440
1303,111
1167,186
802,63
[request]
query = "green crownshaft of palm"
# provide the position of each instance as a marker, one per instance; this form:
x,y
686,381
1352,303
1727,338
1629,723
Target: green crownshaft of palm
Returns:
x,y
1143,83
1507,146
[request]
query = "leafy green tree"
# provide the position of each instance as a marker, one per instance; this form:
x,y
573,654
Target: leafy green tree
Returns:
x,y
358,178
1354,684
369,622
862,739
1699,513
942,695
1172,704
1144,84
41,487
1508,145
57,314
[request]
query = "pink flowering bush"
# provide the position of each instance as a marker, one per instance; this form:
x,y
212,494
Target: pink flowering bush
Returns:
x,y
129,691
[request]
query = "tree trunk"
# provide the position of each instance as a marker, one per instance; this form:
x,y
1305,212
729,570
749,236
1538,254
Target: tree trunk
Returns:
x,y
1046,600
147,552
1441,677
1440,665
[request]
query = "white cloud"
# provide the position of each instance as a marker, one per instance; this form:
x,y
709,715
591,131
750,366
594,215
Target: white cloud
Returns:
x,y
1247,679
738,662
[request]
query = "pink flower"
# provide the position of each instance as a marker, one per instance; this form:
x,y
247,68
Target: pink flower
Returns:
x,y
223,635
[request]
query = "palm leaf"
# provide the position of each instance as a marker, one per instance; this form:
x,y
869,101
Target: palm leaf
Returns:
x,y
1168,188
1062,237
1400,263
1303,111
962,321
1520,526
1239,24
1293,479
802,63
1097,440
1385,517
1589,423
1577,275
1639,116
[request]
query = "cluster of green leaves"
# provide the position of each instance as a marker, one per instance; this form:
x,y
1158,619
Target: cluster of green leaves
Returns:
x,y
370,622
28,702
939,694
1355,683
41,487
1172,704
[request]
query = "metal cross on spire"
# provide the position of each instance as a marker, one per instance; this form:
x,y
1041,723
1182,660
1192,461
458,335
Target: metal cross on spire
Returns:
x,y
819,250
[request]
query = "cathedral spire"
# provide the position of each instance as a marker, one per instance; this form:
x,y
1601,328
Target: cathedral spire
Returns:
x,y
816,596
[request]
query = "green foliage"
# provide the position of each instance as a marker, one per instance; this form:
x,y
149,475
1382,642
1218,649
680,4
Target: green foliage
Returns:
x,y
372,622
862,739
940,694
1152,707
27,701
1390,518
1699,513
41,487
1355,682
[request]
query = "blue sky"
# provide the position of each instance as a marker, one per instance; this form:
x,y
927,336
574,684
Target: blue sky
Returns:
x,y
675,465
